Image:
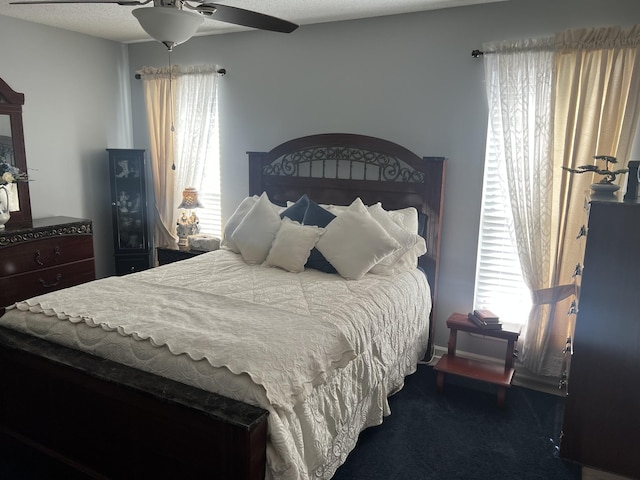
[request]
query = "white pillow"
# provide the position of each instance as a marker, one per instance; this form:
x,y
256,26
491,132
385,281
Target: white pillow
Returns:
x,y
335,209
407,218
409,243
234,221
293,243
257,231
354,242
279,208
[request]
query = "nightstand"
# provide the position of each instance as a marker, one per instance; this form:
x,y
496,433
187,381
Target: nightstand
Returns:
x,y
174,254
477,370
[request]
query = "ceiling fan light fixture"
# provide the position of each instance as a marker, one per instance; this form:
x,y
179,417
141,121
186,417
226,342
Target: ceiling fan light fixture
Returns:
x,y
168,25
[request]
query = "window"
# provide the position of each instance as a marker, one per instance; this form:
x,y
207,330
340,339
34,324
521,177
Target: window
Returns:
x,y
553,102
518,168
499,284
209,194
197,141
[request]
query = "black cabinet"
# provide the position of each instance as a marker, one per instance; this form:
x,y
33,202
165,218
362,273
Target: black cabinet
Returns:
x,y
129,210
602,413
174,254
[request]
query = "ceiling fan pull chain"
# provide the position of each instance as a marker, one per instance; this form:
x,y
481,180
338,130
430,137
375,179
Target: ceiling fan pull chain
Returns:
x,y
173,163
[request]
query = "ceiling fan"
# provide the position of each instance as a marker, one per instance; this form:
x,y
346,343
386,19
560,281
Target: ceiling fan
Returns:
x,y
172,22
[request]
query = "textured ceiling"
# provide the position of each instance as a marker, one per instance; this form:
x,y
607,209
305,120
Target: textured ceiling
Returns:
x,y
115,22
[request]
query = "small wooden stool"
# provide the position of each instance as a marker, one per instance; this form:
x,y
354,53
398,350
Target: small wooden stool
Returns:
x,y
477,370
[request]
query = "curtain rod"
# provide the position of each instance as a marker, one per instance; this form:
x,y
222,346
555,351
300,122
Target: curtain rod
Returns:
x,y
221,71
524,48
479,53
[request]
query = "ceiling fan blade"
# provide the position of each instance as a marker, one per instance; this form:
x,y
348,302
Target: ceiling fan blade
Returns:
x,y
246,18
53,2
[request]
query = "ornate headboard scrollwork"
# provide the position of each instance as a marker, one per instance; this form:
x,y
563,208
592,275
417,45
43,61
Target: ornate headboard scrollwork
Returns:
x,y
338,168
343,162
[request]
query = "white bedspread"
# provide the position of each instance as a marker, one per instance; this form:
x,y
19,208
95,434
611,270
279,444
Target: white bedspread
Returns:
x,y
319,352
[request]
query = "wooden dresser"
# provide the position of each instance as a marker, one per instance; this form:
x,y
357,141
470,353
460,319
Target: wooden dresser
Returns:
x,y
602,410
53,253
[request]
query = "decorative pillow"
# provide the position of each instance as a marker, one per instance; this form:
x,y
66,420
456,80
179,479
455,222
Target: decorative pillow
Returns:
x,y
318,216
292,246
354,242
257,230
409,244
423,219
407,218
335,209
414,222
234,221
296,210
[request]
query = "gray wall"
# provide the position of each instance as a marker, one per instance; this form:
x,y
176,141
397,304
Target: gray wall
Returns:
x,y
406,78
76,105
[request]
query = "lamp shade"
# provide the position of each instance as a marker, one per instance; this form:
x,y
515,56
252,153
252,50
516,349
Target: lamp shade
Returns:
x,y
190,199
168,25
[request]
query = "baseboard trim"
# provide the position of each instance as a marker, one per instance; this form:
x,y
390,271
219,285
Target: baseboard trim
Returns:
x,y
594,474
522,378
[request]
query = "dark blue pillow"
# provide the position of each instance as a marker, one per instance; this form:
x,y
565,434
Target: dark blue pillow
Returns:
x,y
318,216
423,218
296,211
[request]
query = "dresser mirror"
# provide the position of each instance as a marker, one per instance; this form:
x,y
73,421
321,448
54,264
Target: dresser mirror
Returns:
x,y
12,151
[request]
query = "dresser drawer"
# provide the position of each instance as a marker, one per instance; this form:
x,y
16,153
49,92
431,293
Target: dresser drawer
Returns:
x,y
26,285
45,253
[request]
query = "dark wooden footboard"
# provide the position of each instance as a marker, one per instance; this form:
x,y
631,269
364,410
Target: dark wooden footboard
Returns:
x,y
112,421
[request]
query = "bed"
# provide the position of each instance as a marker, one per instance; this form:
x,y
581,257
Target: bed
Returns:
x,y
144,400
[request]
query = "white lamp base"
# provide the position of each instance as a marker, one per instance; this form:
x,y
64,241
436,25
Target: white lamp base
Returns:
x,y
187,226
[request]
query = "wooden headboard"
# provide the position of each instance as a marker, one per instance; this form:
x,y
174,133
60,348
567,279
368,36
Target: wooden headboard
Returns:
x,y
336,168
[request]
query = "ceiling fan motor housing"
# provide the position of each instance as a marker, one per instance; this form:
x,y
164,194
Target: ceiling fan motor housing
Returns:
x,y
168,25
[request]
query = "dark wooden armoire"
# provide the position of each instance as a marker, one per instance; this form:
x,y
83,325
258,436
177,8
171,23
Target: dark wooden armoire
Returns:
x,y
602,412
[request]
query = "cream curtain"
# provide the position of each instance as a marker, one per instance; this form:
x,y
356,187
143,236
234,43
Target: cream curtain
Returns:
x,y
596,112
181,120
159,101
558,102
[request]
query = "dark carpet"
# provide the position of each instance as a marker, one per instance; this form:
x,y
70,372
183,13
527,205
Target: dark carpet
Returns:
x,y
21,463
462,434
459,434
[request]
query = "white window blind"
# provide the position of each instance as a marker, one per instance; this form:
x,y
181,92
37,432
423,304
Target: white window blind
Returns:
x,y
499,284
210,215
210,222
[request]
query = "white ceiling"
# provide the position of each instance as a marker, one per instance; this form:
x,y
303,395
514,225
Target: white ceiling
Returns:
x,y
115,22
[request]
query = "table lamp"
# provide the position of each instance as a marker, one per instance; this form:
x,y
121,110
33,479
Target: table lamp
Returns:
x,y
188,223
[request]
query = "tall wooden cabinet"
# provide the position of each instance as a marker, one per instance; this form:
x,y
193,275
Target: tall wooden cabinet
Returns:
x,y
130,215
602,411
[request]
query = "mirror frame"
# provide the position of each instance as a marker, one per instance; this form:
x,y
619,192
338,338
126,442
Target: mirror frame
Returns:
x,y
11,103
